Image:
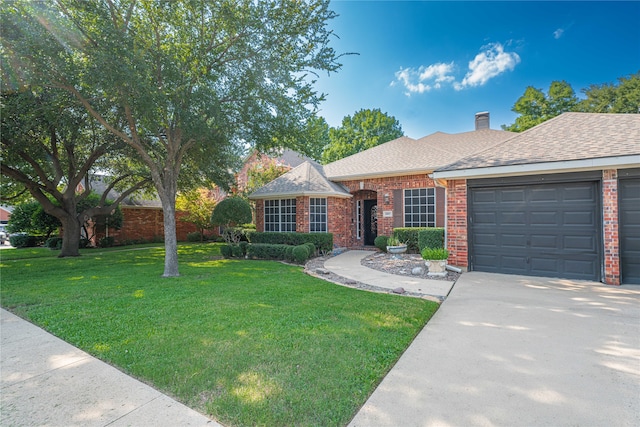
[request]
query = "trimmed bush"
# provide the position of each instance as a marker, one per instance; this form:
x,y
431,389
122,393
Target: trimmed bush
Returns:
x,y
288,253
321,241
107,242
431,238
434,253
381,243
243,246
301,253
409,235
23,241
266,251
226,251
236,251
53,243
196,236
312,248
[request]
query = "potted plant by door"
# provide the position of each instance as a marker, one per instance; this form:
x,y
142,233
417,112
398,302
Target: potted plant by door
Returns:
x,y
435,260
395,247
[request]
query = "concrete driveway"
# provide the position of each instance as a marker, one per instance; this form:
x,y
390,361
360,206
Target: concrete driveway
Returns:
x,y
519,351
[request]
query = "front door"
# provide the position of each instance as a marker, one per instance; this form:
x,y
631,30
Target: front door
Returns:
x,y
370,221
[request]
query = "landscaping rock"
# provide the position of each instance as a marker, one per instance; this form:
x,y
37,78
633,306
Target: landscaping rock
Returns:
x,y
322,271
417,271
399,290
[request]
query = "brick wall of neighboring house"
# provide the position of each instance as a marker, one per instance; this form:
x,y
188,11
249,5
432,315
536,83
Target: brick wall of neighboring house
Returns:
x,y
457,223
5,215
147,224
610,227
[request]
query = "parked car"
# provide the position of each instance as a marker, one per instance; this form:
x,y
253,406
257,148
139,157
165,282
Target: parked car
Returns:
x,y
3,235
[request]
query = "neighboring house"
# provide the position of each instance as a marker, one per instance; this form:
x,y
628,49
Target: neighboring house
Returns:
x,y
560,200
287,158
370,193
5,214
545,202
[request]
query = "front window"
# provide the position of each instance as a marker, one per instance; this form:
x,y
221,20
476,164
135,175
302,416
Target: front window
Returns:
x,y
317,215
280,215
420,207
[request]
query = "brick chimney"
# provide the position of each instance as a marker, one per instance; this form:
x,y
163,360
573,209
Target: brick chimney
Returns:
x,y
482,120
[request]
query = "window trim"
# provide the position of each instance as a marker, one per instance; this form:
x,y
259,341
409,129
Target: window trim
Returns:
x,y
429,192
280,215
323,215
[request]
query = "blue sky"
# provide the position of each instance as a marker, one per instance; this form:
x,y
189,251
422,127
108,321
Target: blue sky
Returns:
x,y
433,65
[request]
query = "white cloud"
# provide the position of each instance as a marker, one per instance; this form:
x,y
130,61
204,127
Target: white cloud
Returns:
x,y
558,33
487,65
424,79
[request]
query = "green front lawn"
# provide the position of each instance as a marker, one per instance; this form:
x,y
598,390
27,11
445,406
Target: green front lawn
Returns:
x,y
246,342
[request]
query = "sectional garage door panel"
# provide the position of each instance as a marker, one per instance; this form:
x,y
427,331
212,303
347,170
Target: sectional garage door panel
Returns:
x,y
539,229
629,230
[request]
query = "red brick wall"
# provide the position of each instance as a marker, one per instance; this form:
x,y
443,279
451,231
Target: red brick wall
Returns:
x,y
457,223
146,224
610,227
386,186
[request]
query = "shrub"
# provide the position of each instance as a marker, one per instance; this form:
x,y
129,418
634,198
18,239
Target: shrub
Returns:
x,y
431,238
84,243
288,253
243,246
312,248
107,242
434,253
236,251
266,251
196,236
301,253
409,235
381,243
23,241
225,250
321,241
53,243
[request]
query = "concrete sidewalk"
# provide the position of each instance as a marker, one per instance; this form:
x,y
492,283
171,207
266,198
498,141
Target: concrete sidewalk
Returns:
x,y
47,382
348,265
515,351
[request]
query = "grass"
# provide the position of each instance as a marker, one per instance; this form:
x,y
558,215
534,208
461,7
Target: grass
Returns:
x,y
246,342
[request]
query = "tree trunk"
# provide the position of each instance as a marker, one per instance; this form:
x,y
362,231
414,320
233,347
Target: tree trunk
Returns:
x,y
170,238
70,236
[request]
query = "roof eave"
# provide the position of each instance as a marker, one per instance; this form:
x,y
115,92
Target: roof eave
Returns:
x,y
300,194
390,174
617,162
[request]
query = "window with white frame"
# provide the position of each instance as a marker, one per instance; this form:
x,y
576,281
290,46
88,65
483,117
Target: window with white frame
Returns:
x,y
420,207
280,215
317,215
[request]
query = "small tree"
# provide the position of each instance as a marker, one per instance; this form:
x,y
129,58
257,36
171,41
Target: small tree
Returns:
x,y
230,213
198,205
30,218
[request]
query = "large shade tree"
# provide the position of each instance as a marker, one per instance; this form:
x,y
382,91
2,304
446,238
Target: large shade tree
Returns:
x,y
196,81
366,129
50,146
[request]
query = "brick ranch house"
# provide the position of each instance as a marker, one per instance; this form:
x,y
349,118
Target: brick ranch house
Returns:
x,y
559,200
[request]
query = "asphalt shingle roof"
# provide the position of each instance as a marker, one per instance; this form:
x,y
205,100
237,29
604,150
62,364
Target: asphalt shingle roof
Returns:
x,y
404,156
308,179
570,136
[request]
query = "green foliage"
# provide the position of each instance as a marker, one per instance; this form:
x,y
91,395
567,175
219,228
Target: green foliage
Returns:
x,y
366,129
409,236
611,98
23,240
300,253
53,243
434,253
322,241
393,240
535,107
267,251
196,236
262,173
106,242
311,248
231,212
381,242
31,218
226,251
431,238
244,246
198,204
236,251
